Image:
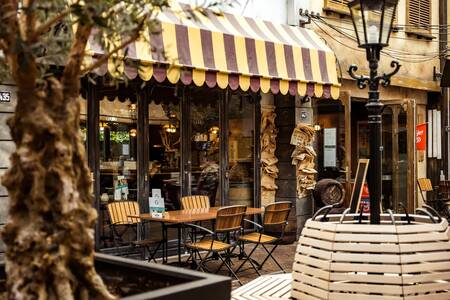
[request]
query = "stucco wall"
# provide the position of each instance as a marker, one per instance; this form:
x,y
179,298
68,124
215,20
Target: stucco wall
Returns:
x,y
347,52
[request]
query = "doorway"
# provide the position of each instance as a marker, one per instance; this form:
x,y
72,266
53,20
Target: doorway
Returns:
x,y
398,141
202,142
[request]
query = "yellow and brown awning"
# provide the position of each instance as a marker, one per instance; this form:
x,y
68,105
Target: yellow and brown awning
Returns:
x,y
230,51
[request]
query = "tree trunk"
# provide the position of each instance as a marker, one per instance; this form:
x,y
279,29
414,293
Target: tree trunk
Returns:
x,y
49,235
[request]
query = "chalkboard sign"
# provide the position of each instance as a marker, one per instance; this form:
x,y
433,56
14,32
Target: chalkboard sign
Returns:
x,y
361,172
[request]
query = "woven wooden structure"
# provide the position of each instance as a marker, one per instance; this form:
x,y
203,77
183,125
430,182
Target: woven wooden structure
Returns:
x,y
341,259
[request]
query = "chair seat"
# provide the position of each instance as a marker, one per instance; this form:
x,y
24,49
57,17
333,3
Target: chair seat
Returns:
x,y
206,245
254,237
147,242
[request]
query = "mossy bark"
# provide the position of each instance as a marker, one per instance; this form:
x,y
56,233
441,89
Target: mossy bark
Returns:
x,y
49,235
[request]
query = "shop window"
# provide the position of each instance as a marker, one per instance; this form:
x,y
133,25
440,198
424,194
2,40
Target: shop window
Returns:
x,y
241,149
330,139
338,6
418,17
164,150
118,150
341,7
204,160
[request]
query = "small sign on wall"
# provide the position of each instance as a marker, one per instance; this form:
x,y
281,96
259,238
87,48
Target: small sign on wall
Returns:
x,y
329,147
421,137
5,96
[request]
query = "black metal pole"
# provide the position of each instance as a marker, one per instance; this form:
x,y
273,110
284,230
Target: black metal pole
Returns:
x,y
375,109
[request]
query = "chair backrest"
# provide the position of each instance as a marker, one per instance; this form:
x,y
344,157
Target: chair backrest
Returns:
x,y
277,213
230,218
425,184
194,201
120,211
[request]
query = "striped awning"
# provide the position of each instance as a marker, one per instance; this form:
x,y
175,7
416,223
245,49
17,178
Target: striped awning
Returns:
x,y
228,50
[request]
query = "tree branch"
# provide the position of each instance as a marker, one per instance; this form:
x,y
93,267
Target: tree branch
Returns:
x,y
108,55
29,19
45,27
134,36
10,21
72,69
3,45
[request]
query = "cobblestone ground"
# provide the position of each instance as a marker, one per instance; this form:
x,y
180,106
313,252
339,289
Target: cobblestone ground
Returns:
x,y
284,254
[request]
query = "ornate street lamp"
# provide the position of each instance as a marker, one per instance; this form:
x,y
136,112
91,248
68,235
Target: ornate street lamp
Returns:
x,y
372,20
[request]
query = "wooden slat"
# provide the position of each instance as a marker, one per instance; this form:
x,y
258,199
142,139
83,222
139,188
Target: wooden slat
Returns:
x,y
366,288
322,235
426,277
365,277
420,247
367,247
366,258
369,238
319,273
311,280
372,268
423,237
315,252
299,295
322,294
421,257
346,296
426,288
316,243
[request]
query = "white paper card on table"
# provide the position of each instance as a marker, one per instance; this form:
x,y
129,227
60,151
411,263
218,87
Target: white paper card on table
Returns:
x,y
156,203
125,149
121,188
156,193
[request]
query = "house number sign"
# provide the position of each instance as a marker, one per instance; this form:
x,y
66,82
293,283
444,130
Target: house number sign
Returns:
x,y
5,96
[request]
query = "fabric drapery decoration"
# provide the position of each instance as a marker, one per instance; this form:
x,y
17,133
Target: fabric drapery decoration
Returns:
x,y
228,50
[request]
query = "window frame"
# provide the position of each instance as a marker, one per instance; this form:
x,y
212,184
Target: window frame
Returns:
x,y
416,28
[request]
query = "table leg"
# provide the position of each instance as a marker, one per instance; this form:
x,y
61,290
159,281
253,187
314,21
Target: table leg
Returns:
x,y
179,243
164,236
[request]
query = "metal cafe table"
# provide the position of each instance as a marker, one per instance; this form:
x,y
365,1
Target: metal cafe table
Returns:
x,y
176,218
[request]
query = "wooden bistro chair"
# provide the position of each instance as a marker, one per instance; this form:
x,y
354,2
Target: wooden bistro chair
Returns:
x,y
123,216
275,220
440,205
194,202
223,239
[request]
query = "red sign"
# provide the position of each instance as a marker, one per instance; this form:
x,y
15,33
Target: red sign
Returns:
x,y
421,136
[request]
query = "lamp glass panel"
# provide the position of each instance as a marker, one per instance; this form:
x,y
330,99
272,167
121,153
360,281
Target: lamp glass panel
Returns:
x,y
372,15
358,23
389,12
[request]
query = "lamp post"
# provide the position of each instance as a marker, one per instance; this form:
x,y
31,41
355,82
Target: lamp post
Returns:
x,y
372,20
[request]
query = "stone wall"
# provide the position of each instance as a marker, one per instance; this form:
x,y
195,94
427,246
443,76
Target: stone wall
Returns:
x,y
6,147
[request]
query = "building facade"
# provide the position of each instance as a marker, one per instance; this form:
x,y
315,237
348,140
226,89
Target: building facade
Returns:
x,y
218,135
414,97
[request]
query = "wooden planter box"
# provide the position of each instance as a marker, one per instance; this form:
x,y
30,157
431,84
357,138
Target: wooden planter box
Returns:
x,y
137,280
341,259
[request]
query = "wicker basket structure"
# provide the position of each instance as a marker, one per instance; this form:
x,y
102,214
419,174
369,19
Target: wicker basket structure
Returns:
x,y
345,257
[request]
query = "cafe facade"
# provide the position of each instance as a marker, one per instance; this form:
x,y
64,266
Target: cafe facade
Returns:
x,y
183,112
187,121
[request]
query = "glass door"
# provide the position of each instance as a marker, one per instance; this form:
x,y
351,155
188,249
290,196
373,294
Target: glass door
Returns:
x,y
118,150
165,149
202,144
241,137
395,157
